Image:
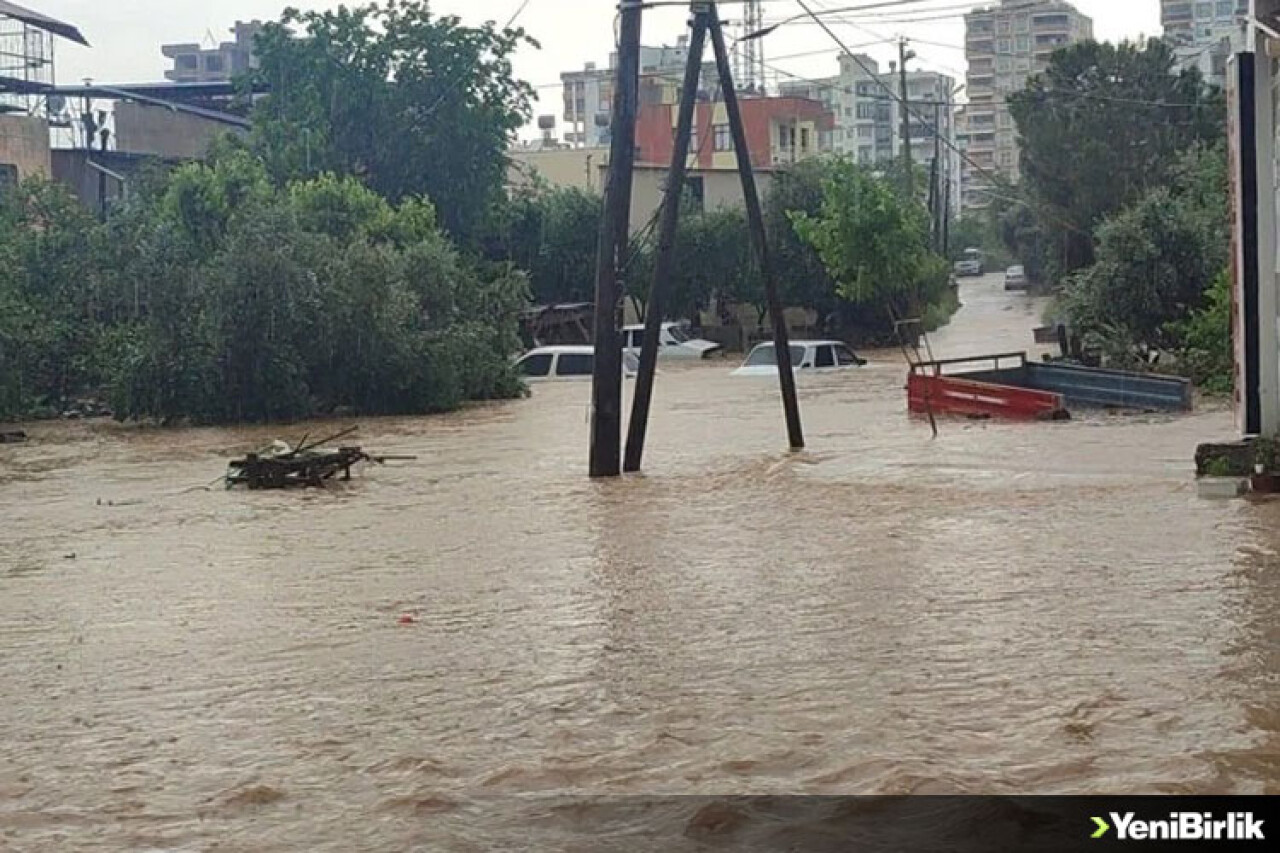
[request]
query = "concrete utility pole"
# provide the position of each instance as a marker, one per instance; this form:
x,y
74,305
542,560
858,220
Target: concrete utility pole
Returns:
x,y
615,223
665,261
904,106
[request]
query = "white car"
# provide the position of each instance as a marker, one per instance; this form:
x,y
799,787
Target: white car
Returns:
x,y
1015,278
673,342
805,355
567,363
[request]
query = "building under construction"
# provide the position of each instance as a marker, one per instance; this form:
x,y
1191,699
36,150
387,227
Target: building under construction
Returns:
x,y
94,136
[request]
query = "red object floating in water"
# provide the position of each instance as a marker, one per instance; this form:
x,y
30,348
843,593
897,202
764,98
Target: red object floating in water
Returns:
x,y
407,619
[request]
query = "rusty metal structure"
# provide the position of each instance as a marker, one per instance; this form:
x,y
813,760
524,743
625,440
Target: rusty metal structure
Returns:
x,y
27,57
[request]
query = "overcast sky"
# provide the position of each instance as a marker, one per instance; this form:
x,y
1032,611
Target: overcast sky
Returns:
x,y
126,34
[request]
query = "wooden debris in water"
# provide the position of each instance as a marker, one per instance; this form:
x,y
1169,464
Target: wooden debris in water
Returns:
x,y
304,466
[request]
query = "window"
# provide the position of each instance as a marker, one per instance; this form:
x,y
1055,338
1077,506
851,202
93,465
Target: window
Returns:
x,y
187,62
575,364
1023,44
8,177
213,63
536,365
845,357
764,356
1002,26
825,358
866,131
804,139
1003,46
722,138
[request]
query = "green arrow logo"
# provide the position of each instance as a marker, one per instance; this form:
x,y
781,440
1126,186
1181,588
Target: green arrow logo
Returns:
x,y
1103,827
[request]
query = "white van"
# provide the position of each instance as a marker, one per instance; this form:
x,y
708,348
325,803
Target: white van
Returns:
x,y
567,363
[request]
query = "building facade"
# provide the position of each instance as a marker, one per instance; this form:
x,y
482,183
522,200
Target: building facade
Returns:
x,y
195,64
867,115
780,131
588,94
1204,33
1005,44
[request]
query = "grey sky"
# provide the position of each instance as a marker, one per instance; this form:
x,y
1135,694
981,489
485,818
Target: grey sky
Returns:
x,y
126,34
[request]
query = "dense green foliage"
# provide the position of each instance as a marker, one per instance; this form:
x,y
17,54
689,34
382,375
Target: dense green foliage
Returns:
x,y
1101,127
875,244
552,234
411,103
224,298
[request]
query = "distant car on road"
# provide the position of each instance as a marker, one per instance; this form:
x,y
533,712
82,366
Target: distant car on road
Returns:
x,y
819,356
971,264
567,363
1015,278
674,341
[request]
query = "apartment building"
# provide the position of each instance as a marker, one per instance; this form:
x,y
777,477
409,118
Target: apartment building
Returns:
x,y
867,115
1204,33
588,94
1006,44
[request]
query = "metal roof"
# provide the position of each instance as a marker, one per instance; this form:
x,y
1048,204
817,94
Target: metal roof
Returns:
x,y
41,22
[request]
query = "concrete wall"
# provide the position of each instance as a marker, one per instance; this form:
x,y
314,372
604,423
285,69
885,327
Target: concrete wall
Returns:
x,y
24,144
559,167
587,168
160,132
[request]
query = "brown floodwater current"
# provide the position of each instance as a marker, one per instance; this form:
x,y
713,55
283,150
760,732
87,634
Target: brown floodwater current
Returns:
x,y
1012,608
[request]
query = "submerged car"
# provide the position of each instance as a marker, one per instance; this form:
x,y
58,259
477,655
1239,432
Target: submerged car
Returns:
x,y
1015,278
567,363
674,341
821,356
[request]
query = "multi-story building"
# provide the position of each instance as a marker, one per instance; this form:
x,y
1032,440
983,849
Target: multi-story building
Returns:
x,y
588,94
867,115
195,64
1204,33
780,131
1005,45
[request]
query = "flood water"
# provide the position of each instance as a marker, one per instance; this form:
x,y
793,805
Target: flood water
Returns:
x,y
1012,608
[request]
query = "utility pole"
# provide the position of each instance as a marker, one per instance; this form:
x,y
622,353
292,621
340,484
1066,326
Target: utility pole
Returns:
x,y
665,261
755,222
905,106
939,177
615,222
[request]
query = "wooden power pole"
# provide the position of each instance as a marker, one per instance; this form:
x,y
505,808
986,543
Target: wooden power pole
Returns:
x,y
755,222
665,260
615,223
706,22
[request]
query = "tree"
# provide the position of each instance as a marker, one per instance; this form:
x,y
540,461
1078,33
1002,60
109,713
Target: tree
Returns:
x,y
874,244
803,280
1100,127
551,233
1157,259
410,103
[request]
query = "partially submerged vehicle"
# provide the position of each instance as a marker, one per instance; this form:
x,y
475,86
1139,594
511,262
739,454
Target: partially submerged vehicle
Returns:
x,y
1008,385
674,341
818,356
567,363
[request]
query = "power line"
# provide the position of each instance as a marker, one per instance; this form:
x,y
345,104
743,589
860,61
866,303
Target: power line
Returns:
x,y
994,177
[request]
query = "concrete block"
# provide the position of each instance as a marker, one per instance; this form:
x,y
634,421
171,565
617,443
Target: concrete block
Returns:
x,y
1222,488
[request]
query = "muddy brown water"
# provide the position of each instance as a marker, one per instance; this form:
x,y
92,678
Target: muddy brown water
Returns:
x,y
1011,608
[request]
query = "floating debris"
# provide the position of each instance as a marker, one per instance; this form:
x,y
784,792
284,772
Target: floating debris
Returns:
x,y
281,466
13,437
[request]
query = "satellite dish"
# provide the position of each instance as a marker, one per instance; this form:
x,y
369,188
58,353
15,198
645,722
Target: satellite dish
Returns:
x,y
57,104
547,122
